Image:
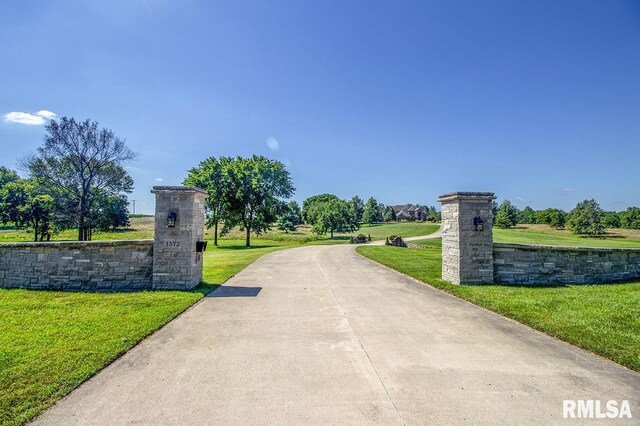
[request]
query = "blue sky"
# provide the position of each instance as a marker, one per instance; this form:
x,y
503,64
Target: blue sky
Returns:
x,y
537,101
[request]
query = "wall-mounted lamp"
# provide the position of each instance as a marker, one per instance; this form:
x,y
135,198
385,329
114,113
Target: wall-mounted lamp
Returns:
x,y
478,223
171,219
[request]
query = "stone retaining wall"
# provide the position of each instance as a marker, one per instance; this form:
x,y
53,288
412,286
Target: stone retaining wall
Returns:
x,y
73,265
530,264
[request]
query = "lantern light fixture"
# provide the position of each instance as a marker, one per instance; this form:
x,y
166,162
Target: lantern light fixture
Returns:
x,y
172,217
478,223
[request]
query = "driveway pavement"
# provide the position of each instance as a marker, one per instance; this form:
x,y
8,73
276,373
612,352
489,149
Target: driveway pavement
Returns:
x,y
321,335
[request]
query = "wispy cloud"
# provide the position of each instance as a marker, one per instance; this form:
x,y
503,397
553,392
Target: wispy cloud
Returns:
x,y
273,144
159,180
35,119
565,191
519,199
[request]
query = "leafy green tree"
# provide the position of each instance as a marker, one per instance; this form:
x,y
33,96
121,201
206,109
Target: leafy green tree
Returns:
x,y
22,203
587,219
81,162
371,212
555,218
630,218
527,216
611,220
308,206
290,217
331,215
357,205
212,174
433,215
7,176
113,213
389,214
506,216
256,188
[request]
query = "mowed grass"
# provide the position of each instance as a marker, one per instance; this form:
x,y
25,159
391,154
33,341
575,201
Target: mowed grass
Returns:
x,y
50,341
142,229
545,235
604,319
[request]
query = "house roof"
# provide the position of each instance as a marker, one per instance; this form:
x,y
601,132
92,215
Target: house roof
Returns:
x,y
407,208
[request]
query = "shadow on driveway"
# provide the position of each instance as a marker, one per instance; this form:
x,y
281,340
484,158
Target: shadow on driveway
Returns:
x,y
234,291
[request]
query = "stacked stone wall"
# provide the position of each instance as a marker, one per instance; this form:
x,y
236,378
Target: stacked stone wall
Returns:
x,y
519,264
72,265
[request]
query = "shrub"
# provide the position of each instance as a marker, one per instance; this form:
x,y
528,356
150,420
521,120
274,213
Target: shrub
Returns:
x,y
506,215
630,218
587,219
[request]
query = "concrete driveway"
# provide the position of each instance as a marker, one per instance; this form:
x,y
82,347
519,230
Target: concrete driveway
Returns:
x,y
320,335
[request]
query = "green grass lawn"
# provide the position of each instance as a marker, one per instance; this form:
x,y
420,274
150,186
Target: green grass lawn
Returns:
x,y
50,341
604,319
545,235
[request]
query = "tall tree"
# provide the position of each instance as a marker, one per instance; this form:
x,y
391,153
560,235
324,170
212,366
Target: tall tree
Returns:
x,y
257,187
371,213
506,216
82,162
587,219
331,214
357,205
212,174
308,206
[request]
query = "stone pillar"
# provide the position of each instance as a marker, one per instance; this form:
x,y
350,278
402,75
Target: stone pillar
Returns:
x,y
177,265
467,237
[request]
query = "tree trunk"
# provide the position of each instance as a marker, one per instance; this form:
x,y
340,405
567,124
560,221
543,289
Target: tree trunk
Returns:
x,y
248,237
81,230
332,233
215,234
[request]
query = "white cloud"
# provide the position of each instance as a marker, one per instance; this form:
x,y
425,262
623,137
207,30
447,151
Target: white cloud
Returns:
x,y
46,114
36,119
273,144
519,199
159,180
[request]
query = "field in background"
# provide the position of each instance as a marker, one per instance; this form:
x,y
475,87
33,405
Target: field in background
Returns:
x,y
142,229
604,319
546,235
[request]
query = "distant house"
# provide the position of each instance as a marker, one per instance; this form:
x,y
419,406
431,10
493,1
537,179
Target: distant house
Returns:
x,y
409,212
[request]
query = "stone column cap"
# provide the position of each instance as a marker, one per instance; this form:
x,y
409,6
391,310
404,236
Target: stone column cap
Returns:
x,y
451,196
179,190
